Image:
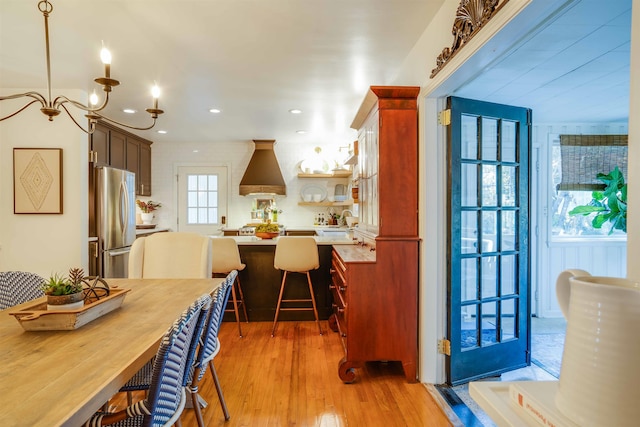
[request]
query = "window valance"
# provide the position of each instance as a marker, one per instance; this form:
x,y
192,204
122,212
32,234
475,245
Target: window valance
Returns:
x,y
585,156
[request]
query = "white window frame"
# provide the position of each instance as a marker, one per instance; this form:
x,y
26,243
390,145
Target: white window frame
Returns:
x,y
181,172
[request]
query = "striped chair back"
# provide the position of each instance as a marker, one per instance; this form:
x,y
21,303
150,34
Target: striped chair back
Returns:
x,y
174,357
210,343
17,287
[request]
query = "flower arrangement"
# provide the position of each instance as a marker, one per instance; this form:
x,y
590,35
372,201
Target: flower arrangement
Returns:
x,y
148,207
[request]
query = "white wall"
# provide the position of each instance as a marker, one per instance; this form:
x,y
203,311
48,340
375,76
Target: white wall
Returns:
x,y
633,218
600,257
235,155
44,243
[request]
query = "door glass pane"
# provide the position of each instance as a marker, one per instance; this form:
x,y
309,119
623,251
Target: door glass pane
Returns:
x,y
508,276
508,231
469,232
489,327
489,277
489,139
469,133
489,226
469,185
508,319
469,279
489,185
202,199
469,327
508,141
509,182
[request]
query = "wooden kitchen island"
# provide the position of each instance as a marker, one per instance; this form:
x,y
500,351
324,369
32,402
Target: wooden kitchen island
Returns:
x,y
261,281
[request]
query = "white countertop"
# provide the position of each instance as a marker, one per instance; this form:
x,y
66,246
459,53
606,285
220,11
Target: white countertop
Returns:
x,y
257,241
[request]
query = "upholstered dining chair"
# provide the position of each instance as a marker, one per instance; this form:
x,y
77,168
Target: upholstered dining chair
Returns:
x,y
209,348
170,255
166,398
17,287
296,255
226,258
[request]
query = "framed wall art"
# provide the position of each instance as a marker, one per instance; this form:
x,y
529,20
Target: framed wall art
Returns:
x,y
37,180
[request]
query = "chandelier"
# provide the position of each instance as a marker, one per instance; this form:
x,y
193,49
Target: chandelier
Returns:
x,y
53,107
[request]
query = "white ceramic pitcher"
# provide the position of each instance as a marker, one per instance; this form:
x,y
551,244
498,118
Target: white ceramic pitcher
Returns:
x,y
600,372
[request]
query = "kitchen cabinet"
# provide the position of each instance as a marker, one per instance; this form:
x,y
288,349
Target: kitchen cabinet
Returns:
x,y
375,286
111,146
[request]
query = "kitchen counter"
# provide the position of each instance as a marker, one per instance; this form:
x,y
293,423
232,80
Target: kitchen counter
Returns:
x,y
146,231
257,241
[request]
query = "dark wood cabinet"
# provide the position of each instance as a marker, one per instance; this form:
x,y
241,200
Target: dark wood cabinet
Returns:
x,y
111,146
99,146
375,287
117,150
144,171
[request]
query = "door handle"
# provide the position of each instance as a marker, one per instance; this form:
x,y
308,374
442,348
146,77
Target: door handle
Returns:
x,y
117,253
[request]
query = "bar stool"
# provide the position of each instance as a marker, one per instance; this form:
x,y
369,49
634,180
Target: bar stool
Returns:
x,y
296,255
226,258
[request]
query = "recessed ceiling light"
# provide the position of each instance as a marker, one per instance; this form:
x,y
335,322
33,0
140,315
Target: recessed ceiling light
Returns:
x,y
295,111
214,111
196,151
129,111
162,131
301,131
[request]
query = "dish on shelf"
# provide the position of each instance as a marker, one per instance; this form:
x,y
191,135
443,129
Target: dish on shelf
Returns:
x,y
310,190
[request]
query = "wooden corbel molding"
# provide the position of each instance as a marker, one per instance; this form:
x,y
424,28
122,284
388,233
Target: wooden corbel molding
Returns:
x,y
470,17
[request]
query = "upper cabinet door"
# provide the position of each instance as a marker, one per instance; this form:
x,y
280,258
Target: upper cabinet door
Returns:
x,y
100,146
118,150
145,169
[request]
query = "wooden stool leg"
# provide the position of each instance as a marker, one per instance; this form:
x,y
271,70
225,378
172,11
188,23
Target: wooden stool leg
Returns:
x,y
275,319
244,305
313,302
235,308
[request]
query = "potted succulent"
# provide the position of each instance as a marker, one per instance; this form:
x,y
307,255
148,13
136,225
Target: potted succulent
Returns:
x,y
65,293
267,230
147,209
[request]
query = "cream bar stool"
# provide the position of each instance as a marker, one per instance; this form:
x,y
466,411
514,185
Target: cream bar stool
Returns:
x,y
226,258
296,255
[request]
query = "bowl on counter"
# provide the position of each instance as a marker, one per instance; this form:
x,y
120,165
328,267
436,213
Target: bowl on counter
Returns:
x,y
307,197
267,234
317,197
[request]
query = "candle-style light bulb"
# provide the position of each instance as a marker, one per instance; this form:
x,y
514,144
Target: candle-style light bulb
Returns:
x,y
155,92
93,99
105,56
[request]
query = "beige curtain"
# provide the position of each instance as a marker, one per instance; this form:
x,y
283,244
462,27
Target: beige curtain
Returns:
x,y
585,156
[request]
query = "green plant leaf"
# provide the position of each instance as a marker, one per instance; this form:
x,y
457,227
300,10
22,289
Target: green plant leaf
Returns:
x,y
586,210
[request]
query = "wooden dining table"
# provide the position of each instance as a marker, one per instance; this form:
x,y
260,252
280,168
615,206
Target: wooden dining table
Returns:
x,y
60,378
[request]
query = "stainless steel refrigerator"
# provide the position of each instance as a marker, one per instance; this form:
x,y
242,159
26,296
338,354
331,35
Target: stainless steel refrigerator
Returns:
x,y
116,219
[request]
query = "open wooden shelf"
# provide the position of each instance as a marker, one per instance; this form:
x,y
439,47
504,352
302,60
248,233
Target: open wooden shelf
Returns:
x,y
336,174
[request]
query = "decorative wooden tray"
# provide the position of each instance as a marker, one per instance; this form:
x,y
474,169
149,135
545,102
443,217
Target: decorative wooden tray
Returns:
x,y
36,317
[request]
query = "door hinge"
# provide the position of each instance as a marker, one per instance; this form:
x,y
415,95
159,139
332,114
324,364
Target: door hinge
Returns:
x,y
444,346
444,117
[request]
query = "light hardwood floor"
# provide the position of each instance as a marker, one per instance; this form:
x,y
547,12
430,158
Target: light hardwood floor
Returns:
x,y
292,380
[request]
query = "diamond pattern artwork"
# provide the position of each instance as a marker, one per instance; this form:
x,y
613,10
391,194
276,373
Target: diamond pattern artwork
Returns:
x,y
36,181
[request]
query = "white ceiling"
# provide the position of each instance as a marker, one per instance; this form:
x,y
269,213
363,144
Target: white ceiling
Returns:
x,y
257,59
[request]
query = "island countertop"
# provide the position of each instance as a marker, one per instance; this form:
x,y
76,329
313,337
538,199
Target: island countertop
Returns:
x,y
257,241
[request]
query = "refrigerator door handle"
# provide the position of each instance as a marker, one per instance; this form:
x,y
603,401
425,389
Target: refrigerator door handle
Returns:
x,y
124,208
117,253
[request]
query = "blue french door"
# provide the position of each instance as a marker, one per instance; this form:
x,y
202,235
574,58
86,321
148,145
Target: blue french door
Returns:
x,y
488,245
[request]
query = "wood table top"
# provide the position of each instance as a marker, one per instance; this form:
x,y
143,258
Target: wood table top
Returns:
x,y
51,378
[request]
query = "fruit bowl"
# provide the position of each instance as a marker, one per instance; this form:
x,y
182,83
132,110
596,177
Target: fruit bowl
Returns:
x,y
267,234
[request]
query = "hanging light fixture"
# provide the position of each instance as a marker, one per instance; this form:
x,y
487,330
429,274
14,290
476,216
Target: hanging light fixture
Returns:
x,y
52,107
